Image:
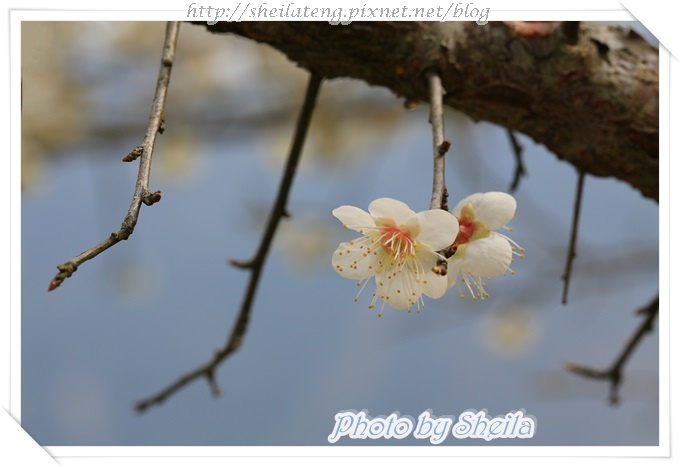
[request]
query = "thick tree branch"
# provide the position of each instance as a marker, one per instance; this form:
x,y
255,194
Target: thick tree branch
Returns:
x,y
255,265
589,93
144,152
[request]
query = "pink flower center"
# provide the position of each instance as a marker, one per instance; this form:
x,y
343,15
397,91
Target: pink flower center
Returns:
x,y
398,242
467,226
466,229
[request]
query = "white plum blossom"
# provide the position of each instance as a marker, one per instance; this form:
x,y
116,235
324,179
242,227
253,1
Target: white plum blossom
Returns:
x,y
478,251
399,248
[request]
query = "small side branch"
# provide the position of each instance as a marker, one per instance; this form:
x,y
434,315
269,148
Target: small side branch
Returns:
x,y
144,152
517,150
255,265
440,146
571,254
615,373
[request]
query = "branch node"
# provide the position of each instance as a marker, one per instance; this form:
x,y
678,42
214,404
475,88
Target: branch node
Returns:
x,y
518,150
67,267
443,148
615,372
150,198
122,234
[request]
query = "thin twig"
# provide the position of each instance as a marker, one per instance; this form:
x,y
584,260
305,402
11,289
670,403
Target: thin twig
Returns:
x,y
571,254
517,149
615,373
255,265
440,146
144,152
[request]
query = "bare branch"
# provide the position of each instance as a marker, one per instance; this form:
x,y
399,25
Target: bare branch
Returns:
x,y
615,373
145,151
255,265
517,150
440,146
571,254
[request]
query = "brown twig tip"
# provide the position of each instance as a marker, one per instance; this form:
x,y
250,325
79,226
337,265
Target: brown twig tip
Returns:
x,y
583,370
134,154
241,264
65,271
214,387
150,198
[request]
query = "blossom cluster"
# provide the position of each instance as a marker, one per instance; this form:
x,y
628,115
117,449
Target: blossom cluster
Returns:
x,y
411,254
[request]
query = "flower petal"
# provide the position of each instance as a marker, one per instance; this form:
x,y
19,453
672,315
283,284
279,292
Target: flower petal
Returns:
x,y
430,283
390,209
453,270
475,198
438,228
487,257
354,218
433,285
397,289
352,262
494,208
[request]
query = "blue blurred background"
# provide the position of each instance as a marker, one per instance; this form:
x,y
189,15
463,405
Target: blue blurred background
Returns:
x,y
131,321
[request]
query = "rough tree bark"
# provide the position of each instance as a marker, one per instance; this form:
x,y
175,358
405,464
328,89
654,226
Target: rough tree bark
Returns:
x,y
589,93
